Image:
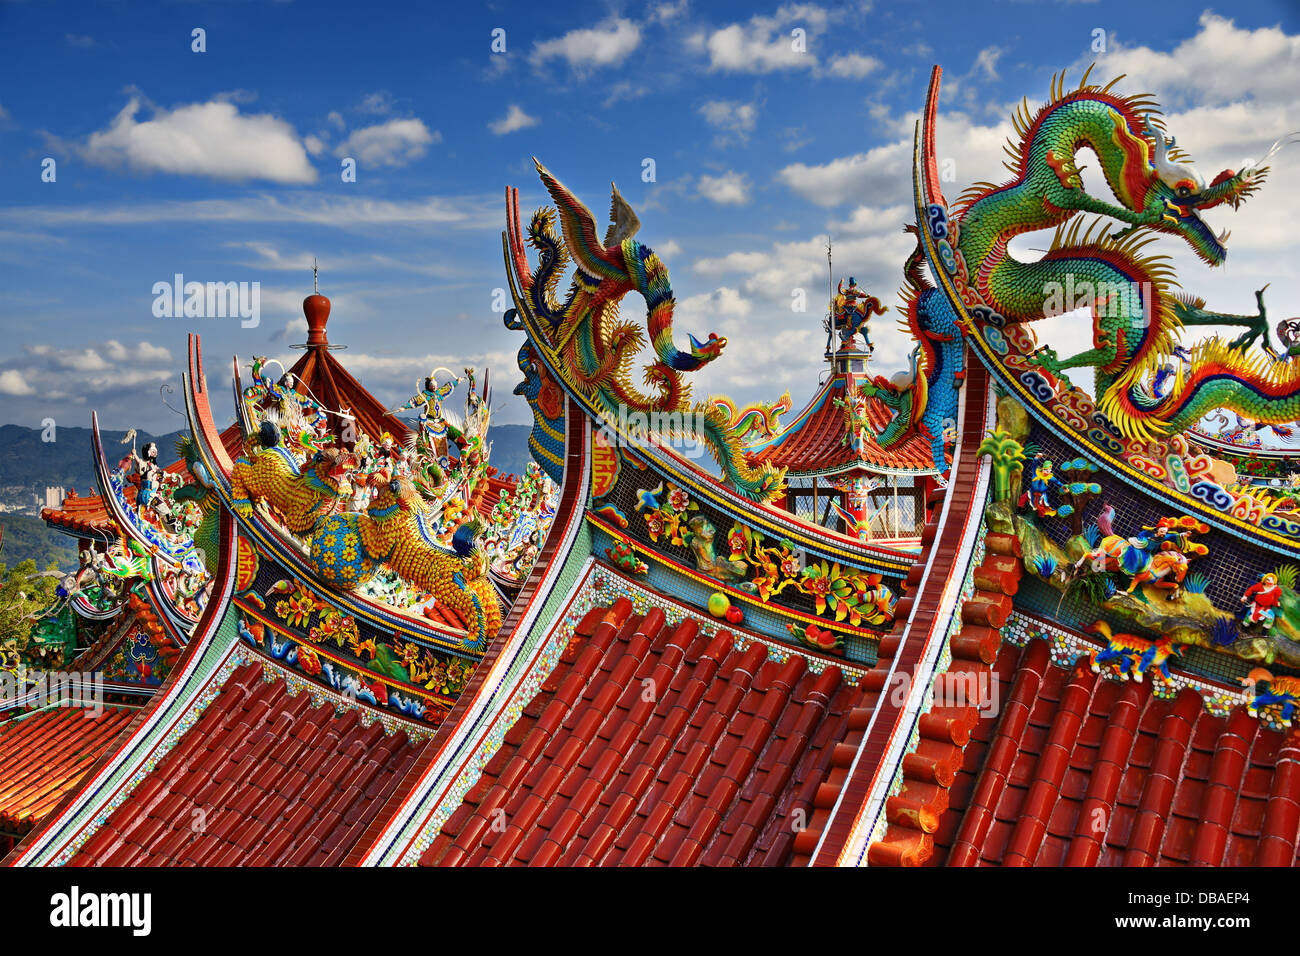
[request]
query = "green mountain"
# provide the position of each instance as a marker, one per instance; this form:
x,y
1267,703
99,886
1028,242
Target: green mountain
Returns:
x,y
29,464
27,537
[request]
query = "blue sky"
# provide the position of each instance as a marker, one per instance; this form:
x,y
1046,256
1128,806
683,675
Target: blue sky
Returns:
x,y
225,166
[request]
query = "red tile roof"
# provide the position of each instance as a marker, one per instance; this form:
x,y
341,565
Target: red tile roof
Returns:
x,y
709,768
929,772
44,756
1081,771
277,781
814,442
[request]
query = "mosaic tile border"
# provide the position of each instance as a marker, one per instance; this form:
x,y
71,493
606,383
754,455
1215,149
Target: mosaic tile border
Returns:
x,y
1067,647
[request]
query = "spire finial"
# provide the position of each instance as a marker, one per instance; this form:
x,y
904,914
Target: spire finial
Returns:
x,y
314,287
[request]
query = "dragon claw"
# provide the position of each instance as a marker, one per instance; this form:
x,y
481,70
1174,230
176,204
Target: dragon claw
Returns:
x,y
1046,359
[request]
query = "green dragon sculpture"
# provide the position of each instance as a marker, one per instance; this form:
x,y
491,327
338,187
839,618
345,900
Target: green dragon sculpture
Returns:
x,y
594,352
1136,315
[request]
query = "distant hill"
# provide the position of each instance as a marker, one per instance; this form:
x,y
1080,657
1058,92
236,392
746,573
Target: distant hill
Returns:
x,y
29,465
27,537
510,453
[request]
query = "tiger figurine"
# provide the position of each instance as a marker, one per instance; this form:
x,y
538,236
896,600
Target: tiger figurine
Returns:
x,y
1133,656
1275,697
303,497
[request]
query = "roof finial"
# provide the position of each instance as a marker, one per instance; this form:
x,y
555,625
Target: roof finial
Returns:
x,y
314,288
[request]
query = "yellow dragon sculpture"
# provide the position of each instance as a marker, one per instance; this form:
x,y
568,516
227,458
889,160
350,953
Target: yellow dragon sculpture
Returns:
x,y
301,496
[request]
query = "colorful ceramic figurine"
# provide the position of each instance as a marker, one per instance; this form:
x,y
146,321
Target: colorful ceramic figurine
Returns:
x,y
1262,599
429,399
1131,656
1041,486
853,309
1275,696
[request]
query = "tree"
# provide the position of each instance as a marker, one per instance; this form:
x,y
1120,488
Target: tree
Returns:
x,y
24,596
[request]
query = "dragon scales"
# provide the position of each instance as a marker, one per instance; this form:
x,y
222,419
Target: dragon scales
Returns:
x,y
1137,317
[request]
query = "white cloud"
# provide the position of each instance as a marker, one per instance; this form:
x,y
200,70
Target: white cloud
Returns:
x,y
765,44
606,43
270,257
665,12
79,41
515,119
884,173
853,66
1220,64
733,117
432,212
394,143
96,370
987,61
315,145
13,383
377,104
625,90
704,308
873,220
210,139
729,189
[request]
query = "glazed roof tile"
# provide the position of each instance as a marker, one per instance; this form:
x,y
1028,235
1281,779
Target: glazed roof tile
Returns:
x,y
913,813
652,744
44,756
274,780
1077,770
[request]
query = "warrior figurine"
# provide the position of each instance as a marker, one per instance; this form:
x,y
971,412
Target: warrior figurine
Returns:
x,y
1040,486
429,399
1262,600
146,464
853,309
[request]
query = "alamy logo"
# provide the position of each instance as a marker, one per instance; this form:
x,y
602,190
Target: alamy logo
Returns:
x,y
1106,300
36,688
208,300
683,431
74,909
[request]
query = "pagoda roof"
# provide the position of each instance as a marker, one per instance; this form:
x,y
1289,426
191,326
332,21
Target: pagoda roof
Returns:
x,y
44,756
816,442
335,388
284,783
321,376
712,771
318,375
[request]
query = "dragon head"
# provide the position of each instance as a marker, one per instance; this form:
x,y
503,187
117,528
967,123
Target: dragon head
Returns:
x,y
1177,193
331,466
400,494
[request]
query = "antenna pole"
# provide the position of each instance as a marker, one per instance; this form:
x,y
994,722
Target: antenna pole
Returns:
x,y
830,303
830,272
